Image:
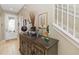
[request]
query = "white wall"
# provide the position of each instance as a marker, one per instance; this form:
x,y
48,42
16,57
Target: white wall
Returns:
x,y
0,28
1,24
39,9
65,47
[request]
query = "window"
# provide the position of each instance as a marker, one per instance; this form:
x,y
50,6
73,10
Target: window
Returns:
x,y
11,24
59,17
67,20
71,19
55,14
77,22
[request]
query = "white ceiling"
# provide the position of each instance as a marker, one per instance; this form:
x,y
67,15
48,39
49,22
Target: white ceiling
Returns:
x,y
14,8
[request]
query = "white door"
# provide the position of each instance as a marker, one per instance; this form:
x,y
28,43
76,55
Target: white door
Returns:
x,y
11,26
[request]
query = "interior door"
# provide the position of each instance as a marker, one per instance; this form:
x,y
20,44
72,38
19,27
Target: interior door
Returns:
x,y
10,26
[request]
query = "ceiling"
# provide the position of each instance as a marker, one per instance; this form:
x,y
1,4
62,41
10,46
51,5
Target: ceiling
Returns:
x,y
14,8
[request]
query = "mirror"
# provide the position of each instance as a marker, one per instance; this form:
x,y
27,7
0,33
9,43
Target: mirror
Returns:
x,y
42,20
43,23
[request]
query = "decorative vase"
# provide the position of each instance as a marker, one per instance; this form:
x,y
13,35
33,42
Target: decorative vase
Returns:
x,y
32,17
33,31
46,39
24,27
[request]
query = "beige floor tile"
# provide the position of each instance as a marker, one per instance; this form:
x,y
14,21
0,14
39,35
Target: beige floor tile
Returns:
x,y
9,47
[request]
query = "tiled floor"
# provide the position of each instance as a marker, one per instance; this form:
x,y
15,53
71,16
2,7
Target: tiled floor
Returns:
x,y
9,47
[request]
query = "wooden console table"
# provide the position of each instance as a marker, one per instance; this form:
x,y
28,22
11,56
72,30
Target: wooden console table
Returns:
x,y
37,46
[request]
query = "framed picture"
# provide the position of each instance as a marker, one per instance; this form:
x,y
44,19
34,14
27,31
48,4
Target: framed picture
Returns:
x,y
42,20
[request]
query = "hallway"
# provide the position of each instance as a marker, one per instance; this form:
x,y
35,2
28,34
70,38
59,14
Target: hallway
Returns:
x,y
9,47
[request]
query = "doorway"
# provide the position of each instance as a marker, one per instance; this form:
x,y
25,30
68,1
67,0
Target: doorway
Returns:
x,y
11,31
